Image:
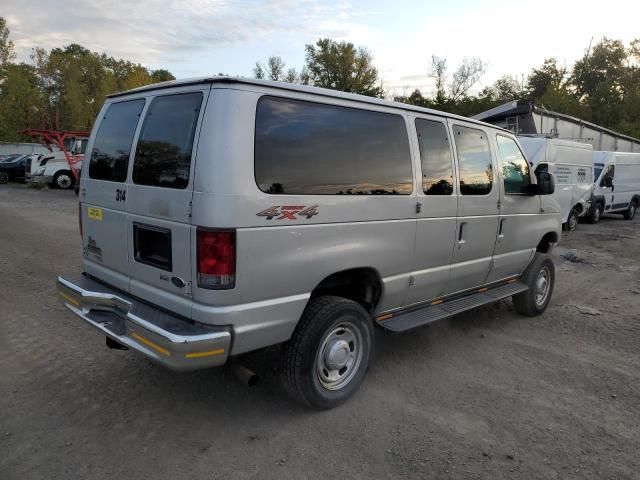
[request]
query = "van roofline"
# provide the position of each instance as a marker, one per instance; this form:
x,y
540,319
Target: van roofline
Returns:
x,y
325,92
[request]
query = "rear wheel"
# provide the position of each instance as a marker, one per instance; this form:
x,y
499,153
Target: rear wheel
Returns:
x,y
631,211
326,359
596,213
572,221
540,277
63,180
4,177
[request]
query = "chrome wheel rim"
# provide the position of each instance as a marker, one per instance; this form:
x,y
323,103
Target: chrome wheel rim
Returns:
x,y
4,178
632,211
63,181
596,214
542,286
339,356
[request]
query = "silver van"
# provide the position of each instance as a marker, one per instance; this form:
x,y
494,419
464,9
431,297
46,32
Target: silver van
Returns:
x,y
223,215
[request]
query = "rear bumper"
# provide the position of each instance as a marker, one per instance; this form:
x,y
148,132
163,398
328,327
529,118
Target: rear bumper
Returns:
x,y
169,340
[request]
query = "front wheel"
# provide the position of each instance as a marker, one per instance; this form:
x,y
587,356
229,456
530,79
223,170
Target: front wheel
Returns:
x,y
63,180
572,221
596,213
631,211
326,359
540,277
4,177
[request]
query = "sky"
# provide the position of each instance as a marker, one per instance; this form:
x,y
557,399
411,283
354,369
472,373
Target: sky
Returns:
x,y
204,37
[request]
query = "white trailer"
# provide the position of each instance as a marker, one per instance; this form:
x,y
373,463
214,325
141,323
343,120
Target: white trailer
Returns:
x,y
571,164
617,184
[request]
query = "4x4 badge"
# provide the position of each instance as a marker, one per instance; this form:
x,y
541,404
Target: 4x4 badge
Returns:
x,y
289,212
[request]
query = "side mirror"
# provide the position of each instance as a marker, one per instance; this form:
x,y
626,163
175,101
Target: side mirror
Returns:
x,y
546,183
607,182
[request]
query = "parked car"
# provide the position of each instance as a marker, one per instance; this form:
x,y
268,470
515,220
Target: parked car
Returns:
x,y
13,169
571,164
617,186
243,214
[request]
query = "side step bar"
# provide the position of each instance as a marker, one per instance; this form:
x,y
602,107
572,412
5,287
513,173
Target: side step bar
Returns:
x,y
407,320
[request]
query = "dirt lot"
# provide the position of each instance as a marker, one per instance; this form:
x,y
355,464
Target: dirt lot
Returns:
x,y
487,394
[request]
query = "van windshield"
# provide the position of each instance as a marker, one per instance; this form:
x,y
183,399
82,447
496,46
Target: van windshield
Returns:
x,y
597,170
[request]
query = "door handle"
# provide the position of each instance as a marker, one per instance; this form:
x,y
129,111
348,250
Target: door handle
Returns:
x,y
500,229
461,239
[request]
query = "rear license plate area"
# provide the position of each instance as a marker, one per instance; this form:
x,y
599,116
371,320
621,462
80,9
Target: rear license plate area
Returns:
x,y
152,246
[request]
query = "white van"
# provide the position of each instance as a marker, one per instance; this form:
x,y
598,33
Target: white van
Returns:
x,y
617,185
571,164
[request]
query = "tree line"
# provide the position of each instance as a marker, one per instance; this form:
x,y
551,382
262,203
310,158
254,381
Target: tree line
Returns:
x,y
64,88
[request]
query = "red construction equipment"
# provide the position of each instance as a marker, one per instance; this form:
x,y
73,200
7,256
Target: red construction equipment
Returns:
x,y
64,140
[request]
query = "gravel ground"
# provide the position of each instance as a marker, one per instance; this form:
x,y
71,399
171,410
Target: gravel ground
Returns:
x,y
486,394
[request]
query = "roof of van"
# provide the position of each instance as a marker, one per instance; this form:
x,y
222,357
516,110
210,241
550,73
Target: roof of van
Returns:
x,y
304,89
601,156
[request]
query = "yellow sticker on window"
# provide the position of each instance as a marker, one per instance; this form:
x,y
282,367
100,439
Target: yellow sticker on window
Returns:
x,y
94,213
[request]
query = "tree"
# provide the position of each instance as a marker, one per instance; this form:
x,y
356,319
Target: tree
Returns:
x,y
439,74
7,53
465,77
548,76
342,66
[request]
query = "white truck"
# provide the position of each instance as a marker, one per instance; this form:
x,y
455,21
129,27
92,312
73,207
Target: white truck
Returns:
x,y
617,184
53,169
571,164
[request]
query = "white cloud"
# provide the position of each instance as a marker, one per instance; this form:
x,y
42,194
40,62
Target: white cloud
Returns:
x,y
153,32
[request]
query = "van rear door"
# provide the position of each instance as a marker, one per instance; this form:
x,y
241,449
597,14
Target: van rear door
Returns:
x,y
102,193
159,197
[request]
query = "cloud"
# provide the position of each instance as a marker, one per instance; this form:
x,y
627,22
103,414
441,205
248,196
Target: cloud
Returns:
x,y
157,32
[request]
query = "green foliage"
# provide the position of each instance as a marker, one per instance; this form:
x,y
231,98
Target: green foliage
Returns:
x,y
603,87
328,64
64,88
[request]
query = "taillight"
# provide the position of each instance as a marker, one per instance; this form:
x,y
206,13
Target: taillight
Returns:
x,y
216,259
80,217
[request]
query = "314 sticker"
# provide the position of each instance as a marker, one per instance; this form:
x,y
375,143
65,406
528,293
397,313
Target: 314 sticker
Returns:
x,y
289,212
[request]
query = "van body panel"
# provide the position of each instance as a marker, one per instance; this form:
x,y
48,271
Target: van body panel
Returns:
x,y
435,229
476,225
420,246
570,163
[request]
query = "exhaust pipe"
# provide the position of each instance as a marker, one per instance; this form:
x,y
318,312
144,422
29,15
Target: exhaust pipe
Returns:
x,y
111,343
246,376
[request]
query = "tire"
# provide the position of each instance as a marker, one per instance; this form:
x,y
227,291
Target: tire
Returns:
x,y
596,213
310,373
540,277
631,211
63,180
572,221
4,178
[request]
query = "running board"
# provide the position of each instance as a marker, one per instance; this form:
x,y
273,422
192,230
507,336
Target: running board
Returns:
x,y
403,321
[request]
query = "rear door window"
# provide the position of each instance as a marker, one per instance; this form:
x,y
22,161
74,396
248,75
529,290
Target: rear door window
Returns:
x,y
163,154
474,160
306,148
435,156
112,146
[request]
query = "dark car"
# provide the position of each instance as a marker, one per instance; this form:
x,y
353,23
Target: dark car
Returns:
x,y
13,169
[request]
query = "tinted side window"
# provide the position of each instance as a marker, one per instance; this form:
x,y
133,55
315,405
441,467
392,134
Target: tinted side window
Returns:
x,y
310,148
163,154
474,160
515,169
110,155
435,156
